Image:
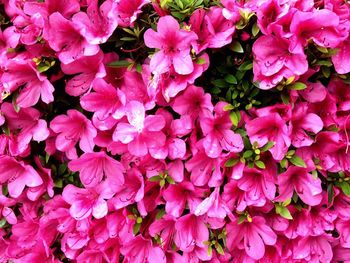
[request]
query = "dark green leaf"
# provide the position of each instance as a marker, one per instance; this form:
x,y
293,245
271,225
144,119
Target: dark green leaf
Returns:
x,y
155,178
267,146
296,160
246,66
120,64
136,228
297,86
237,47
260,164
230,79
231,162
235,117
255,30
345,187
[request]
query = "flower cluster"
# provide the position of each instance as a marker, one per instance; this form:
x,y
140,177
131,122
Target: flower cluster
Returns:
x,y
176,131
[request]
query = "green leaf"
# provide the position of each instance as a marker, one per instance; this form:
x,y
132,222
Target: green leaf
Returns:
x,y
230,79
155,178
136,228
297,161
283,163
228,107
14,103
322,49
219,249
260,164
237,47
248,65
170,180
330,193
139,68
326,63
267,146
247,154
210,251
255,30
231,162
47,157
241,219
235,117
201,61
62,168
120,64
297,86
129,31
59,183
345,187
326,72
284,212
160,214
2,222
285,98
221,83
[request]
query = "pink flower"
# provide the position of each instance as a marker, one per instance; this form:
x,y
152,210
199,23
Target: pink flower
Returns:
x,y
93,167
86,69
72,128
172,83
270,128
299,179
191,231
64,37
131,191
6,211
218,134
126,11
204,170
212,206
139,249
165,228
274,61
231,10
85,202
34,193
258,185
268,13
174,44
106,102
17,175
24,73
142,132
322,26
343,226
25,124
174,147
212,28
313,249
303,123
252,236
98,23
177,196
193,102
341,60
65,7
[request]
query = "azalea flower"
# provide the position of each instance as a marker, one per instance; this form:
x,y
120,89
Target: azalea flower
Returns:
x,y
142,132
174,44
80,130
252,236
17,175
35,85
93,167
